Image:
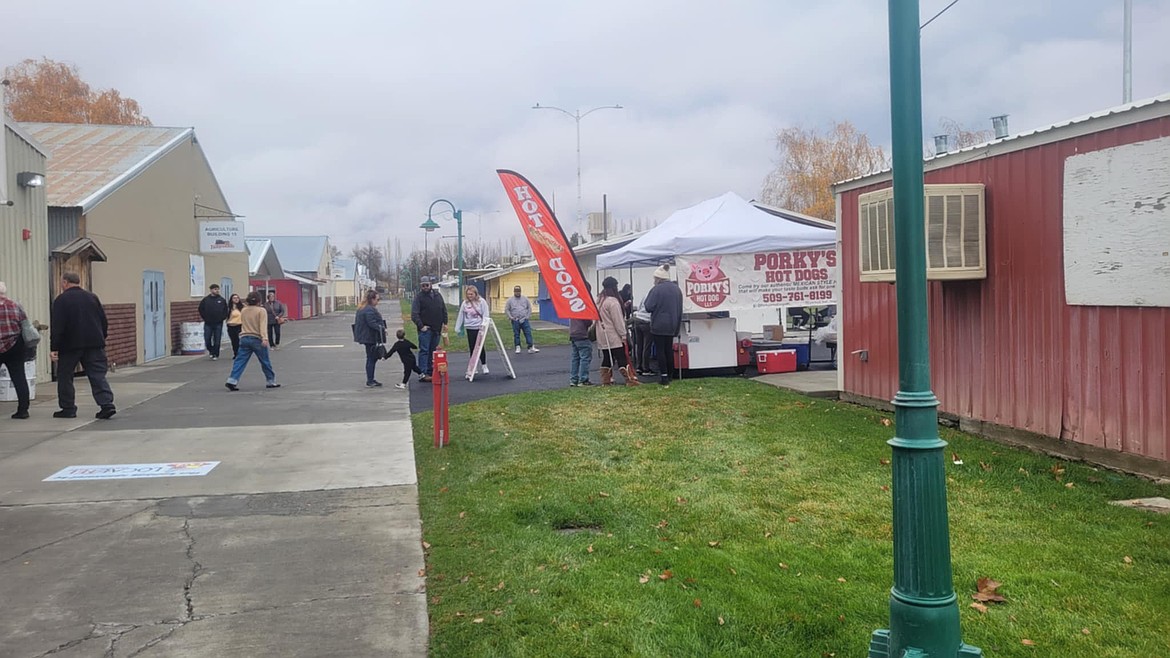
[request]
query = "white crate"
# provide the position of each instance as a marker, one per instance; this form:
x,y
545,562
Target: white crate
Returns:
x,y
8,392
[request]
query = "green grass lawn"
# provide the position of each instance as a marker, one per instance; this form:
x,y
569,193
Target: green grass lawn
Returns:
x,y
724,517
503,324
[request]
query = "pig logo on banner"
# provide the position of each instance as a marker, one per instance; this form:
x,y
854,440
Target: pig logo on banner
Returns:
x,y
706,285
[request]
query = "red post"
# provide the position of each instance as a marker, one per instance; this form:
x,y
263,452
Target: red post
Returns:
x,y
440,385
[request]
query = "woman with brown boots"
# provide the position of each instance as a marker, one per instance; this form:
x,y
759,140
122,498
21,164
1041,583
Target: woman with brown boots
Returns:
x,y
611,335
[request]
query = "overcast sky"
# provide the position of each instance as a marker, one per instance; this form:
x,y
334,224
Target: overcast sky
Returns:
x,y
349,117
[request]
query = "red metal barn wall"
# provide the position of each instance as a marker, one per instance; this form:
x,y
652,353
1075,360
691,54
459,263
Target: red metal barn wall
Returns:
x,y
288,292
1007,349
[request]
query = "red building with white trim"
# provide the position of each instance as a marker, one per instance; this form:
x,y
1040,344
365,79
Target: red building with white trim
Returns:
x,y
1049,349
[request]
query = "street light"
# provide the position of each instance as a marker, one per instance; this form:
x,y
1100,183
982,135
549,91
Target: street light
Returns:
x,y
577,116
458,215
427,226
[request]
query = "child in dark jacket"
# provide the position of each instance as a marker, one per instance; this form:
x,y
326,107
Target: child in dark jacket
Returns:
x,y
403,348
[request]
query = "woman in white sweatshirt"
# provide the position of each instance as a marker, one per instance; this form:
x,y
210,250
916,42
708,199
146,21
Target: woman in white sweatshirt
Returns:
x,y
473,315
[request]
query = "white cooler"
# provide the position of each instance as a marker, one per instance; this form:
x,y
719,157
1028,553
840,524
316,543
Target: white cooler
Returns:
x,y
8,391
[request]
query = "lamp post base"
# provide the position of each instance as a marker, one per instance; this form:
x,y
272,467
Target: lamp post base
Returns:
x,y
879,647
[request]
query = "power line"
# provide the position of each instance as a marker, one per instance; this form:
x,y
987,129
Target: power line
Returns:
x,y
944,10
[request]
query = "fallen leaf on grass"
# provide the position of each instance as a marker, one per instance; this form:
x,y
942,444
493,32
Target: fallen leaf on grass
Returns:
x,y
712,544
643,579
1084,631
721,621
498,587
1127,559
793,519
986,591
885,487
1028,643
887,422
767,535
422,573
477,620
603,494
462,514
884,462
444,490
980,607
840,580
665,575
783,566
1069,485
680,500
590,549
497,612
426,546
840,617
955,459
985,466
698,603
662,524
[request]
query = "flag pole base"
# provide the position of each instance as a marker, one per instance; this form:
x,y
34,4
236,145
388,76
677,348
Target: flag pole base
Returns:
x,y
879,647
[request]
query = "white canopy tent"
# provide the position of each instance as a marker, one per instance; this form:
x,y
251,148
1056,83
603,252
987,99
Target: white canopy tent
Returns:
x,y
724,225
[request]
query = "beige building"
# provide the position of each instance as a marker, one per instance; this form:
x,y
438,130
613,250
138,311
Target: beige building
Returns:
x,y
125,206
24,234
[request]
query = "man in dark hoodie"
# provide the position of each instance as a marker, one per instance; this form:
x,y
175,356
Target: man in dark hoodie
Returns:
x,y
664,303
77,334
429,314
213,310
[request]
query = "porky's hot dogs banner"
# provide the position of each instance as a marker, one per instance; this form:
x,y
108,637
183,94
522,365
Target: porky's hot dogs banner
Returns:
x,y
558,264
799,277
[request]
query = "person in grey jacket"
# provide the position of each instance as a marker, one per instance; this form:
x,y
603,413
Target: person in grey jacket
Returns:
x,y
369,329
519,310
664,303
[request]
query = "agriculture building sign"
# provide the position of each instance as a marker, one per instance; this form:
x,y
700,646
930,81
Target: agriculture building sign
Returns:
x,y
221,237
800,277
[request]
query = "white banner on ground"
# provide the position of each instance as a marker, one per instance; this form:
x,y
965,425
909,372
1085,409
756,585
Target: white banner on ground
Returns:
x,y
770,279
131,471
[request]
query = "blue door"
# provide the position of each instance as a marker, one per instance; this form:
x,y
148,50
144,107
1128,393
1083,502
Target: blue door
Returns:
x,y
154,315
225,287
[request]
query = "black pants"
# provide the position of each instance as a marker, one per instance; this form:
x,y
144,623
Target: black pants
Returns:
x,y
644,340
93,359
234,336
472,337
614,357
409,366
274,334
14,359
664,345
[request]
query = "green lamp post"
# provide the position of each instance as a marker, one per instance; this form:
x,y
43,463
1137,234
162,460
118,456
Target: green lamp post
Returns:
x,y
458,215
924,612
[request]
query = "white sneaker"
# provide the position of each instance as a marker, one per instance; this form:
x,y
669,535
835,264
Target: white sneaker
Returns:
x,y
518,349
485,369
400,385
531,350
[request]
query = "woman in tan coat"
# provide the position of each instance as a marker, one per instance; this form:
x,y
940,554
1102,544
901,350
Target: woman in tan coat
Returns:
x,y
611,334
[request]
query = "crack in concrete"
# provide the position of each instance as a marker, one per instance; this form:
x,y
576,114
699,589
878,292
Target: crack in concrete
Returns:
x,y
113,630
196,571
74,535
156,640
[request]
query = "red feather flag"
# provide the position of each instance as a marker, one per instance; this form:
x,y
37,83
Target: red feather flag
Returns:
x,y
558,264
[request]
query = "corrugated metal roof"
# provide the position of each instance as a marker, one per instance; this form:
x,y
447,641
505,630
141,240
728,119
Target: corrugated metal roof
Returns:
x,y
88,162
495,274
344,268
1142,110
262,258
298,253
793,216
29,139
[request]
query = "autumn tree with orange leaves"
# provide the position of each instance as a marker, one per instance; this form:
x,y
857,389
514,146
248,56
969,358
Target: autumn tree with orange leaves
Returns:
x,y
810,162
53,92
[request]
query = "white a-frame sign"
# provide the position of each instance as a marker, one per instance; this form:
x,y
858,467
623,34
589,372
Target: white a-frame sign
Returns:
x,y
489,324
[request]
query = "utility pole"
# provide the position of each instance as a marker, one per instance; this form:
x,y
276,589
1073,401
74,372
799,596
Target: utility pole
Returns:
x,y
924,611
1127,56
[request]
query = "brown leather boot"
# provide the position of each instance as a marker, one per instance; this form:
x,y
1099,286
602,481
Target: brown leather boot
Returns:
x,y
607,376
631,379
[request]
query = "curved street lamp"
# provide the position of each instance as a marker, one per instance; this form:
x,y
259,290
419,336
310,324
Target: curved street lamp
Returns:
x,y
577,116
458,215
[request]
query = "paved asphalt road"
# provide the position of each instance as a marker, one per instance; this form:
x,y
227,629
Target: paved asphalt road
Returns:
x,y
303,541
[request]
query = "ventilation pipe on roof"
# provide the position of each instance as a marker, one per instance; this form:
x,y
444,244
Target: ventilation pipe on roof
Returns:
x,y
1000,125
941,144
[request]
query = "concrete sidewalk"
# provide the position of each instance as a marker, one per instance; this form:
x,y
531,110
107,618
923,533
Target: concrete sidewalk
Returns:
x,y
303,541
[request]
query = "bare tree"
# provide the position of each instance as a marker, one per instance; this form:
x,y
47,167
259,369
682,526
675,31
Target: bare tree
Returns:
x,y
810,162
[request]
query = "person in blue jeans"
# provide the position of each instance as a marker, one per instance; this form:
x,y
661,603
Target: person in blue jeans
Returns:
x,y
428,312
582,349
253,340
369,329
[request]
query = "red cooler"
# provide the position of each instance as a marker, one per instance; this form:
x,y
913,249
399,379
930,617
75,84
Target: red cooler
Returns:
x,y
773,361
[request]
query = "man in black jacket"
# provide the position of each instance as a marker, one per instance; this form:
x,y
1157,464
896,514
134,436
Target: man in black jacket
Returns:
x,y
78,335
429,314
214,310
664,303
